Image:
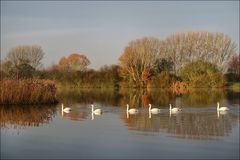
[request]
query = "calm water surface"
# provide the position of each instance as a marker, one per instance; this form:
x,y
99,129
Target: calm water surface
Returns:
x,y
199,131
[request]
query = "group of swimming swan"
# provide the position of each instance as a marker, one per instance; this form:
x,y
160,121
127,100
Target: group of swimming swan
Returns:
x,y
68,109
94,112
135,110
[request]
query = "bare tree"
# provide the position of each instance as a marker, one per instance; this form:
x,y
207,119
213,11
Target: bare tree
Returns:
x,y
234,65
140,55
187,47
22,61
26,54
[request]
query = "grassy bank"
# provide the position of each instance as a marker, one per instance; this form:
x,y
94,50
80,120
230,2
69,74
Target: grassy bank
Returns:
x,y
30,91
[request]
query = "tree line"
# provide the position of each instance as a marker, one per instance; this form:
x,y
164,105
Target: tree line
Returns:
x,y
201,59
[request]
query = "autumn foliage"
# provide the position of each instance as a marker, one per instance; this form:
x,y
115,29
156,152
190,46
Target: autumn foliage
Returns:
x,y
74,62
146,74
138,59
179,87
162,80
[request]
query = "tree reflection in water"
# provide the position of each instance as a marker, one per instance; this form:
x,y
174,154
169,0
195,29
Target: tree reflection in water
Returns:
x,y
184,125
196,125
202,125
200,97
76,113
159,98
20,117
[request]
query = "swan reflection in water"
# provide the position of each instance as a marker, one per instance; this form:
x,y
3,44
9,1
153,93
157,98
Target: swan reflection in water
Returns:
x,y
221,113
197,125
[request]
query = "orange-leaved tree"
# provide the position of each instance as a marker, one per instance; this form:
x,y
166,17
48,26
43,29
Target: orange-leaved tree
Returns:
x,y
139,59
74,62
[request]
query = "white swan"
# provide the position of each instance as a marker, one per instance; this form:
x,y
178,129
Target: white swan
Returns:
x,y
96,111
221,108
174,110
153,110
132,110
66,110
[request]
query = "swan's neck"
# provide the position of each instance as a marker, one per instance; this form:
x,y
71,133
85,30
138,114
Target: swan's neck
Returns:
x,y
170,107
217,106
149,108
127,107
92,108
62,110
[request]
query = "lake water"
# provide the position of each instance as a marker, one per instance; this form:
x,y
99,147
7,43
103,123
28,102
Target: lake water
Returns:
x,y
199,131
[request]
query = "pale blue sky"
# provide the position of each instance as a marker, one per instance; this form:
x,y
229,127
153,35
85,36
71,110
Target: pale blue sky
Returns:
x,y
101,30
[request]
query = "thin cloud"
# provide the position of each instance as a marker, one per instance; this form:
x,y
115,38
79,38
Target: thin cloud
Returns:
x,y
50,32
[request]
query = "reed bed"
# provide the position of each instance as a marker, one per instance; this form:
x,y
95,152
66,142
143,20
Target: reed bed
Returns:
x,y
30,91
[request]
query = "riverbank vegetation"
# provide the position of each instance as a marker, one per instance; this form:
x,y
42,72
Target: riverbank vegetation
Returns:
x,y
27,91
181,61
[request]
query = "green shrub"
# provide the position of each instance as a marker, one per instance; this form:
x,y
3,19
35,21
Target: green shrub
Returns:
x,y
200,74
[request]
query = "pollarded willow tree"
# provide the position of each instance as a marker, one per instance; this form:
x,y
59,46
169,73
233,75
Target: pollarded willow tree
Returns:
x,y
186,47
139,60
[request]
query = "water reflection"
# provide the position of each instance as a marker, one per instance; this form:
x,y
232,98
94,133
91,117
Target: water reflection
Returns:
x,y
142,97
201,97
174,113
203,125
221,113
20,117
77,113
93,115
131,113
88,96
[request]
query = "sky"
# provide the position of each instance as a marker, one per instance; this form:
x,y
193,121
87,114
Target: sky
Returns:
x,y
101,30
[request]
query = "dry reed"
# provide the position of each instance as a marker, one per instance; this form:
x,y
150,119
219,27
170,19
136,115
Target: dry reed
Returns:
x,y
31,91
